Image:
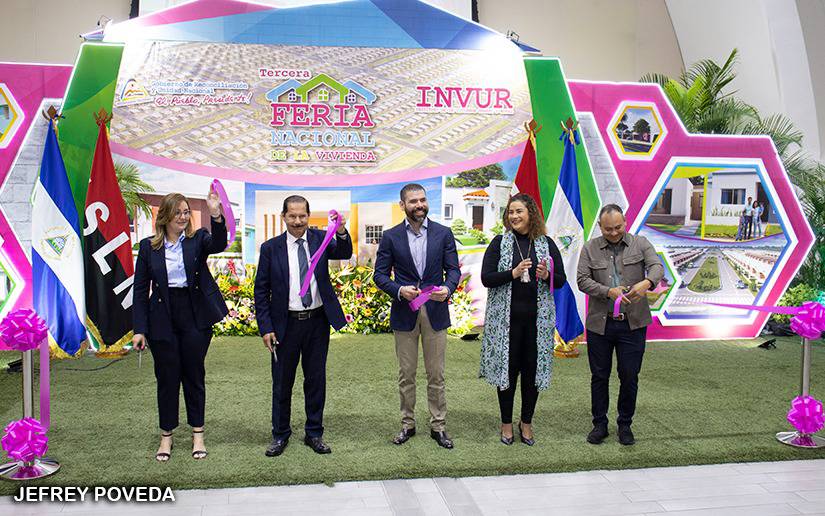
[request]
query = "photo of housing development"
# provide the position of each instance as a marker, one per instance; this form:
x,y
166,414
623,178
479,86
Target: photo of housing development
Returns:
x,y
369,211
721,231
637,130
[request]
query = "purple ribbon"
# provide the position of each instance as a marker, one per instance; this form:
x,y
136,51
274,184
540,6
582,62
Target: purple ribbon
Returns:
x,y
617,305
334,224
806,415
422,298
808,320
23,330
228,216
25,440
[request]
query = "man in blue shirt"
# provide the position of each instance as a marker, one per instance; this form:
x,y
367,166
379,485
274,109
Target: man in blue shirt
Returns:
x,y
420,253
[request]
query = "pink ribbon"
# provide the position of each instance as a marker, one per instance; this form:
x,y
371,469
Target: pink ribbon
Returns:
x,y
228,216
334,224
808,320
23,330
806,415
25,440
422,298
617,306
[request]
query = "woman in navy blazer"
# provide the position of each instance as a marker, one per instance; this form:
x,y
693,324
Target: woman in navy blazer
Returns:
x,y
176,302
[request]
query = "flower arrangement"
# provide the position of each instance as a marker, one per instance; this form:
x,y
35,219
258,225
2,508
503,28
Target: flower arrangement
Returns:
x,y
461,309
239,292
366,307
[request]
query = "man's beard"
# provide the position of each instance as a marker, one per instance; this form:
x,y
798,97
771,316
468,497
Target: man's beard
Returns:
x,y
417,216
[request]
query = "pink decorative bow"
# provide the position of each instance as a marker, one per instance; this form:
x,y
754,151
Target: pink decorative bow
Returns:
x,y
422,298
806,415
228,216
23,330
25,440
332,228
808,320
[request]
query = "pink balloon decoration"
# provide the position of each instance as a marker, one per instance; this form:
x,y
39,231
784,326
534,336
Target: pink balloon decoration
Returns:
x,y
25,440
806,415
23,330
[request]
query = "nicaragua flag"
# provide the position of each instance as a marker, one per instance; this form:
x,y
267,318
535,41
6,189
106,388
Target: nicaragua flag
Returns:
x,y
57,254
565,226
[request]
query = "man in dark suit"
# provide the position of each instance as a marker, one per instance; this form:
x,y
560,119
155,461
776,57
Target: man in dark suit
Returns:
x,y
295,327
421,253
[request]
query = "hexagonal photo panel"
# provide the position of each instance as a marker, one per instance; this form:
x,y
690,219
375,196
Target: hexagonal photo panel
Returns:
x,y
637,131
11,116
719,224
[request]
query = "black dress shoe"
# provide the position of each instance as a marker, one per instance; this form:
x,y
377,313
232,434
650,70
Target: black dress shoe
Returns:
x,y
317,444
276,447
404,435
626,436
442,439
525,440
597,435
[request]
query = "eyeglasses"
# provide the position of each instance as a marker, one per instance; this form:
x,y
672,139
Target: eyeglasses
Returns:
x,y
185,214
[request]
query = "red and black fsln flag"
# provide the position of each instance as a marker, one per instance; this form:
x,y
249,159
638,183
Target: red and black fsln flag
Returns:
x,y
107,253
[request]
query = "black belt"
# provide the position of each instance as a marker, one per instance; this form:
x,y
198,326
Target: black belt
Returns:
x,y
306,314
621,317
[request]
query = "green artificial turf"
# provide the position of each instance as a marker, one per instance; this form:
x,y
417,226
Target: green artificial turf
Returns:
x,y
699,402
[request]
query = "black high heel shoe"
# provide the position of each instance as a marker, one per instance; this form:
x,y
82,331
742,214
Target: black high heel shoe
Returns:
x,y
506,440
198,454
528,442
164,456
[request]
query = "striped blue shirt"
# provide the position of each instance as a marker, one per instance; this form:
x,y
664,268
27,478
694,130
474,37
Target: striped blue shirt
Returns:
x,y
175,271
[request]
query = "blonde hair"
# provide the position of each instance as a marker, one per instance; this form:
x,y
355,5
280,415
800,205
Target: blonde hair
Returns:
x,y
166,214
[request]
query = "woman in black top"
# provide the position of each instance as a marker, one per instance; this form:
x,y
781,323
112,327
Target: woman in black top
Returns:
x,y
520,267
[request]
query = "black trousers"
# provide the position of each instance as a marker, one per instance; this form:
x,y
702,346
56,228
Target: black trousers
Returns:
x,y
630,349
748,226
523,358
181,360
306,341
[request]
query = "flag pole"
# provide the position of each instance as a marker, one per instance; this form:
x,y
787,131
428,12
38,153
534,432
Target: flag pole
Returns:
x,y
41,466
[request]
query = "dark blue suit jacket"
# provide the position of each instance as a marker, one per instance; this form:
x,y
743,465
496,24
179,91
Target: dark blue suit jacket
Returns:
x,y
272,281
151,312
441,270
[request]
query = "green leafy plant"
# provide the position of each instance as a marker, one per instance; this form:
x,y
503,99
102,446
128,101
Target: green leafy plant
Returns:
x,y
498,229
459,227
794,296
477,177
131,186
478,235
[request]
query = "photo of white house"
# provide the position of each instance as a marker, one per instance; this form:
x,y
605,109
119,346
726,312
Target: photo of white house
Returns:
x,y
720,231
728,204
368,210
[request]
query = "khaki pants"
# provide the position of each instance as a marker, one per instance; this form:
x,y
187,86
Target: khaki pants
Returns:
x,y
434,345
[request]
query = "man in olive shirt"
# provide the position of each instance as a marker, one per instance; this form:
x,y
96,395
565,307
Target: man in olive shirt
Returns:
x,y
613,266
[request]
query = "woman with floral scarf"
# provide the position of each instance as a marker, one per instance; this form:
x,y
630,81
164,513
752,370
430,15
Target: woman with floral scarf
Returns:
x,y
520,268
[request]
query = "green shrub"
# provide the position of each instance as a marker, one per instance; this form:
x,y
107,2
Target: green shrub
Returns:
x,y
459,227
479,235
794,296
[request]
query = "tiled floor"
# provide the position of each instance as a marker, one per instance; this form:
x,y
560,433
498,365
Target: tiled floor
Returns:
x,y
753,489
